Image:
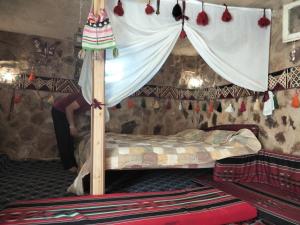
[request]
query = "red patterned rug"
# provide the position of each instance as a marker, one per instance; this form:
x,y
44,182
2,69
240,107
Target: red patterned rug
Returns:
x,y
279,207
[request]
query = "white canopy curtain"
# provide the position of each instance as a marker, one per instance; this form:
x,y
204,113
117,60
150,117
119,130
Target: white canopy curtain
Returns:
x,y
238,51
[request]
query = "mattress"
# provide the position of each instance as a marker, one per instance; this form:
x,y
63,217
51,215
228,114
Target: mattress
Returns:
x,y
202,205
188,149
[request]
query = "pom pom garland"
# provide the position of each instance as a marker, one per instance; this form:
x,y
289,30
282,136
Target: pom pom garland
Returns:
x,y
264,21
226,17
202,18
118,9
149,9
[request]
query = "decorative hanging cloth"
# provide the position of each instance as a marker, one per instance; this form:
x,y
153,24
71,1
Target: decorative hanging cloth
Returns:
x,y
180,106
97,32
295,101
130,103
264,21
149,9
118,10
219,108
269,105
190,106
31,76
226,16
243,107
229,109
276,105
202,18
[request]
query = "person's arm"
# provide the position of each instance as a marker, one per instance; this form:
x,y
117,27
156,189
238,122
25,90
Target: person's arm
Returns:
x,y
70,117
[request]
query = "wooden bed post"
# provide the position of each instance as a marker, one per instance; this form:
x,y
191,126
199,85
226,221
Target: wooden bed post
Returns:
x,y
97,178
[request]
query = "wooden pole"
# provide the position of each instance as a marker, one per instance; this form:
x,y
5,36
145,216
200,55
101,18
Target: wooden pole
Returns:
x,y
97,178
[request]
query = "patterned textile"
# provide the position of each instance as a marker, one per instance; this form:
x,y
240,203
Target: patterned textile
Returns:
x,y
279,170
206,204
188,149
275,205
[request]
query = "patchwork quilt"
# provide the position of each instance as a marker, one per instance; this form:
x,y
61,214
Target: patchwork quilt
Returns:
x,y
191,148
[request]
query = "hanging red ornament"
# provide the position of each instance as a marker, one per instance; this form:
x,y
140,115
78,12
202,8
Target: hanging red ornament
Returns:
x,y
31,76
264,21
243,107
266,96
211,107
295,101
17,99
118,10
202,18
149,9
182,34
226,17
130,103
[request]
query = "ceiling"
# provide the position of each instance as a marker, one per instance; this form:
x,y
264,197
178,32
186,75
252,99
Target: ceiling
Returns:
x,y
60,18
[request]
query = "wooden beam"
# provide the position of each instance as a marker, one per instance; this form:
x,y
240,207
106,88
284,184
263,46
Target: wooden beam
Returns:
x,y
97,178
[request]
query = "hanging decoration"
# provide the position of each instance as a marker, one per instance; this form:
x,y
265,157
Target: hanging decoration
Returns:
x,y
256,106
276,105
31,76
266,96
197,107
156,104
97,105
177,12
118,9
264,21
168,105
295,100
149,9
229,109
180,106
204,107
219,108
293,53
190,106
183,17
17,99
226,16
211,106
130,103
202,18
118,106
269,105
242,107
143,103
50,100
158,7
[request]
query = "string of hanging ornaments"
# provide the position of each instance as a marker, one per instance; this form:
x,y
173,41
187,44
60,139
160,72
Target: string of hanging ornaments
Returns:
x,y
178,13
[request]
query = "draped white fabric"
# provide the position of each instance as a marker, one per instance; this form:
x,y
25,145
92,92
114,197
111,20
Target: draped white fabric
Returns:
x,y
238,51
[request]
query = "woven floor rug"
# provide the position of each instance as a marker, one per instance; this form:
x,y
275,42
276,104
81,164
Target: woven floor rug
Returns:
x,y
274,205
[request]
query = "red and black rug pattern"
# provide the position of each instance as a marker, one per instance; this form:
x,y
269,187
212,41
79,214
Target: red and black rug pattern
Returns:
x,y
274,205
202,205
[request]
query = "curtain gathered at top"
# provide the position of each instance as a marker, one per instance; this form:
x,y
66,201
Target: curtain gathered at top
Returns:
x,y
237,50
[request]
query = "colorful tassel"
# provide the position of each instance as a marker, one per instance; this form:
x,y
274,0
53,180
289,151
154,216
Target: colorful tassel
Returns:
x,y
226,17
295,101
243,107
202,18
204,107
143,103
256,106
190,106
182,34
169,105
156,104
276,105
32,76
211,107
50,99
130,103
264,21
219,108
180,106
118,106
266,96
149,9
229,109
197,107
17,99
118,9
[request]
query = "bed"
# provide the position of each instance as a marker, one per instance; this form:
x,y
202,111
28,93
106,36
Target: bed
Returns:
x,y
191,148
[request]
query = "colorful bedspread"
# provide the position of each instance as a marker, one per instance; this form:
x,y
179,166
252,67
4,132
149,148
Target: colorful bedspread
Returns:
x,y
203,205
